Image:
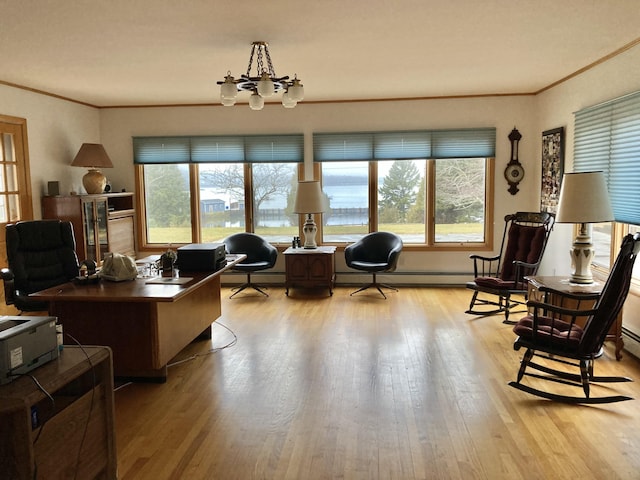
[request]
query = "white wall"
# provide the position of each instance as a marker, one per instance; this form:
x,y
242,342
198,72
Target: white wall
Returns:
x,y
119,125
56,129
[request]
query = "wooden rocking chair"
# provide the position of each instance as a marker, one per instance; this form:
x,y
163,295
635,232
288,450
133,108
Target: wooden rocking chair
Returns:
x,y
524,240
551,332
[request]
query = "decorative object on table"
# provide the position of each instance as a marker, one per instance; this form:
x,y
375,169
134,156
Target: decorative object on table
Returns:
x,y
93,156
167,261
514,172
584,200
118,268
310,199
88,273
264,83
552,168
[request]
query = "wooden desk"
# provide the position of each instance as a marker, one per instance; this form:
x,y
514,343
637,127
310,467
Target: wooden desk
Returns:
x,y
310,268
563,285
80,382
145,324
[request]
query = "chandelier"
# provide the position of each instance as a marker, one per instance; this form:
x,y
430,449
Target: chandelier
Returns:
x,y
265,83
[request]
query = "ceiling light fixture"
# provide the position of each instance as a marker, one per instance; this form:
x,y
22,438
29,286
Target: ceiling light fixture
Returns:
x,y
263,84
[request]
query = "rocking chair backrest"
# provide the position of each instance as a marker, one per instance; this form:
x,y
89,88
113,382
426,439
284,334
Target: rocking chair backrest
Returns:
x,y
526,239
612,298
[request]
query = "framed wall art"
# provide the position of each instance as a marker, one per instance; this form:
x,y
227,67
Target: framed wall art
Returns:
x,y
552,168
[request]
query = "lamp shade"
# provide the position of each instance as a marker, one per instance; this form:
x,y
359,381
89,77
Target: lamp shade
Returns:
x,y
309,198
584,199
92,155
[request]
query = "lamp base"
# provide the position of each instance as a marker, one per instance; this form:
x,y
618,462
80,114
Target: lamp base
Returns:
x,y
582,253
94,181
309,229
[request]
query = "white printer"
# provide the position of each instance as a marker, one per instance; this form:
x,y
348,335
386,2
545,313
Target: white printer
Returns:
x,y
25,344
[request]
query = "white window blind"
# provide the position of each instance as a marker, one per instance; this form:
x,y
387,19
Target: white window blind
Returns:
x,y
607,138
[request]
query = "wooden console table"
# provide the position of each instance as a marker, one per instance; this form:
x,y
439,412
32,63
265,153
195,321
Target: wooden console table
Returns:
x,y
74,428
145,324
310,267
562,285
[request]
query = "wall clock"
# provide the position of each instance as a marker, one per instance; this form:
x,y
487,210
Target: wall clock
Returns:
x,y
514,172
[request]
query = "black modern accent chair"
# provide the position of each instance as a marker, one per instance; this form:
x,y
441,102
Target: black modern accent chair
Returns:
x,y
377,252
524,240
41,254
553,333
261,255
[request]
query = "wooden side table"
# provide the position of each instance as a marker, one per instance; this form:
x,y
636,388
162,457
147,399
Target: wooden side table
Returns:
x,y
69,434
562,284
310,268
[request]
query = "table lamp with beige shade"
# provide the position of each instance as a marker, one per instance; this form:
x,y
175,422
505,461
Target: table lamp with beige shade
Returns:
x,y
93,156
584,200
309,200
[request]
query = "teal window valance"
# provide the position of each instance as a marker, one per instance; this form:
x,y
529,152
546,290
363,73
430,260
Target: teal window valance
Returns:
x,y
224,149
422,144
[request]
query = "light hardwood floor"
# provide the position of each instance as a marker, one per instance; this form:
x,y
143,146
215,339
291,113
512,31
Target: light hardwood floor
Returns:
x,y
344,387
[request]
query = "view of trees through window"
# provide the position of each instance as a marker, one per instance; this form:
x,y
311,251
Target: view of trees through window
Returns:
x,y
400,188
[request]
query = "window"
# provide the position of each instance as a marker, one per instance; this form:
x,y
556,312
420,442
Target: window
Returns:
x,y
202,189
398,180
15,191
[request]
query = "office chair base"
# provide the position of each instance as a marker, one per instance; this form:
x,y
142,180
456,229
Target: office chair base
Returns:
x,y
377,286
257,288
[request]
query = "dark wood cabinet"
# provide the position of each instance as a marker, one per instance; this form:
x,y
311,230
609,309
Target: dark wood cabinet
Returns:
x,y
64,426
101,223
310,268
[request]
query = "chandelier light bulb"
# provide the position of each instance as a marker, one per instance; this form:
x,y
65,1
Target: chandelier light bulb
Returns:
x,y
265,86
287,102
296,90
227,102
256,102
228,90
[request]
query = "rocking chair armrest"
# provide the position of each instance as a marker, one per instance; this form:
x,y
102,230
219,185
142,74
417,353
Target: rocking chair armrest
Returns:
x,y
486,259
557,311
485,266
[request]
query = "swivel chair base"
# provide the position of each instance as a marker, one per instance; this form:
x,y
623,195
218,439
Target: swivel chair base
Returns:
x,y
376,285
257,288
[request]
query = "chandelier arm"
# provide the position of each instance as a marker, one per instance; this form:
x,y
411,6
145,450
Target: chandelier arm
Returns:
x,y
253,48
272,72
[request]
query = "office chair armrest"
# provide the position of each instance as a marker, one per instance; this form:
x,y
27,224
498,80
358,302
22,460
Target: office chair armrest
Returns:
x,y
9,286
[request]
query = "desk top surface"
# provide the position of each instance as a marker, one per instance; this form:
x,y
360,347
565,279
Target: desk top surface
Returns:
x,y
137,290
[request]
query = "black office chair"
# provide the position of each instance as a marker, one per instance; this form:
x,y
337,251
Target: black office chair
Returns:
x,y
261,255
376,252
41,254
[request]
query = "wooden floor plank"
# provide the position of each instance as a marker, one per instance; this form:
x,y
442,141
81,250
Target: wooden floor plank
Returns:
x,y
365,388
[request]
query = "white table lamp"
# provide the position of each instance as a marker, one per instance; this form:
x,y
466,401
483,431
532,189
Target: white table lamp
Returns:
x,y
584,200
309,200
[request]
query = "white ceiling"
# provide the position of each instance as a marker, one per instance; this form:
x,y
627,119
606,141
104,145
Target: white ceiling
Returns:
x,y
167,52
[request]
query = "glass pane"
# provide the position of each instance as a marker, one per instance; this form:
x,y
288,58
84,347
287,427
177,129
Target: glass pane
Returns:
x,y
4,217
167,201
12,177
347,186
3,185
222,207
601,239
274,186
9,154
14,208
460,200
101,212
401,198
89,230
636,266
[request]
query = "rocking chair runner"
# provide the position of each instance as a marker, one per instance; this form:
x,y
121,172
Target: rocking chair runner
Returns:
x,y
524,240
553,331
